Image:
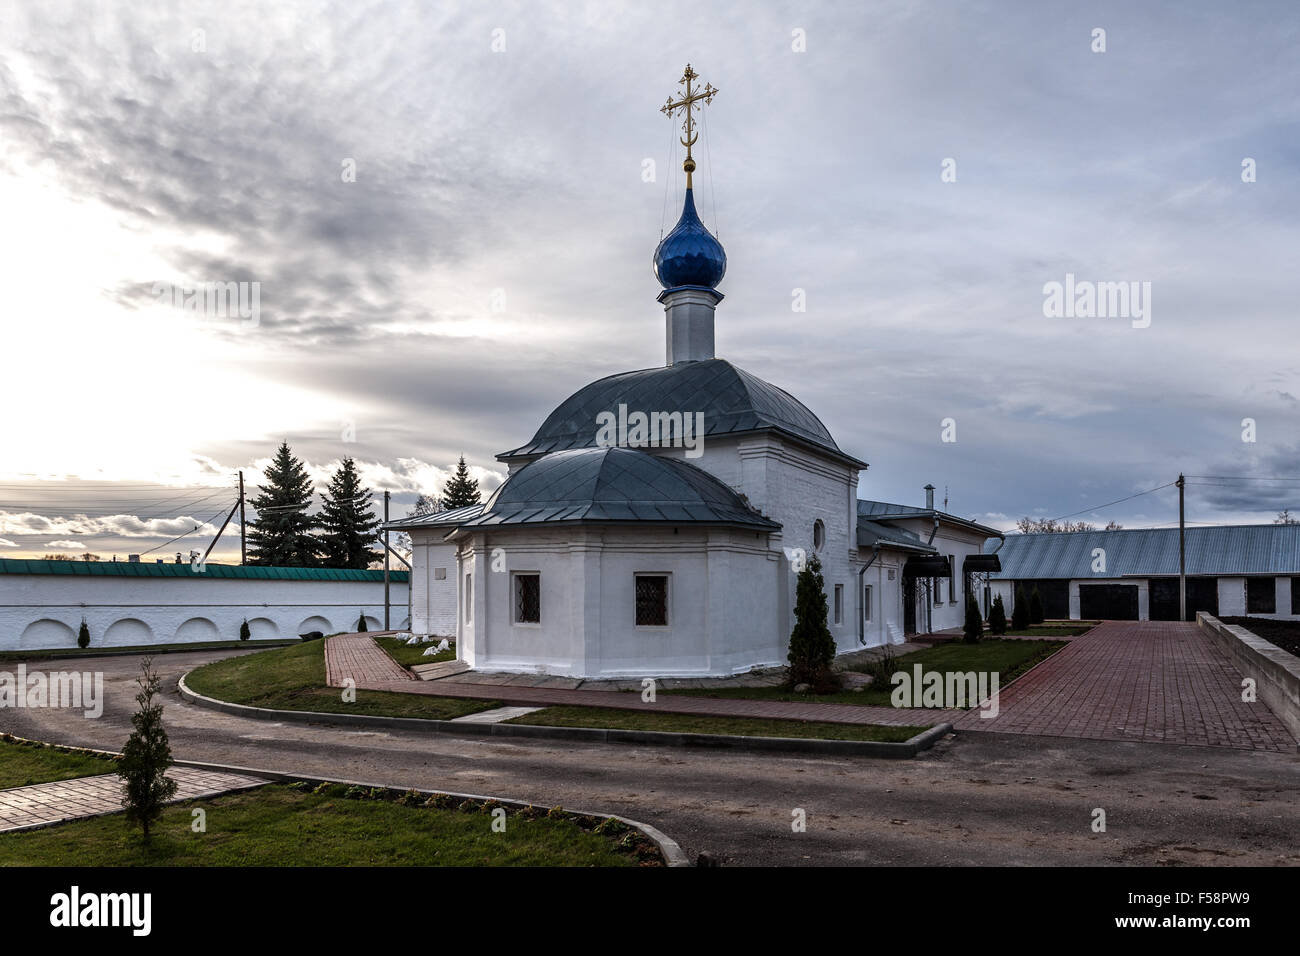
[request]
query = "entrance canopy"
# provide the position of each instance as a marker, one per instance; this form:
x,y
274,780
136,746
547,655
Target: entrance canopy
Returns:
x,y
935,566
981,563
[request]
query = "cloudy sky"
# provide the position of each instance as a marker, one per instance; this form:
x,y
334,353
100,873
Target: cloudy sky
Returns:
x,y
448,211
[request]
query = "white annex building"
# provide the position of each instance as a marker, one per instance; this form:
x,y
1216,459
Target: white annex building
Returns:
x,y
654,524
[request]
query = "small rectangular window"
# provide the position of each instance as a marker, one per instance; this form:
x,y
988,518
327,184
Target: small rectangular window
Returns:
x,y
937,584
952,594
1261,596
469,598
866,603
652,600
528,598
839,604
440,574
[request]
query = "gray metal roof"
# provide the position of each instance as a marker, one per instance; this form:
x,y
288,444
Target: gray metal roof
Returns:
x,y
871,533
435,519
732,400
1221,550
614,485
885,511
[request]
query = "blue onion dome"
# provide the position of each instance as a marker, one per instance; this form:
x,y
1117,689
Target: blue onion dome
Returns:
x,y
690,255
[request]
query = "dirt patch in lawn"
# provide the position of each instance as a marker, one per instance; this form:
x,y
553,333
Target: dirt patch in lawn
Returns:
x,y
1283,634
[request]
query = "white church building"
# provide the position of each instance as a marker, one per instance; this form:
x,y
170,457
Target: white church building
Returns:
x,y
654,524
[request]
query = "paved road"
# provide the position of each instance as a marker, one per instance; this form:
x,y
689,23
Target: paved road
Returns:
x,y
977,799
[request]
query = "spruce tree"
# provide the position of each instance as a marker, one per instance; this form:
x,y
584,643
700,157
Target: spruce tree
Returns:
x,y
146,757
997,617
461,490
281,534
347,520
973,628
1035,608
1020,610
83,635
245,632
812,648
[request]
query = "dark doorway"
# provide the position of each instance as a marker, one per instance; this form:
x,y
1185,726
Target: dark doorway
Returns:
x,y
909,605
1108,602
1202,595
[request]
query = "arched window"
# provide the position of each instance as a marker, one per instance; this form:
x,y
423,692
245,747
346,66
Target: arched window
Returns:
x,y
819,535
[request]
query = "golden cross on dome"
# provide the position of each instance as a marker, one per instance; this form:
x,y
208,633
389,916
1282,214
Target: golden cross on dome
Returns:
x,y
688,104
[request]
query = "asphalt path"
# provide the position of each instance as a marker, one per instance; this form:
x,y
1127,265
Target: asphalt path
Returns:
x,y
975,798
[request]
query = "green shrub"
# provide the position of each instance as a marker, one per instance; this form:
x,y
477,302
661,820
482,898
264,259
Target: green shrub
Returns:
x,y
1020,610
146,757
244,631
812,648
1035,608
83,636
997,617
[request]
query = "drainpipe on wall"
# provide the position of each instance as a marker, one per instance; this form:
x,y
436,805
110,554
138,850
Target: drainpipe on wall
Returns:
x,y
862,624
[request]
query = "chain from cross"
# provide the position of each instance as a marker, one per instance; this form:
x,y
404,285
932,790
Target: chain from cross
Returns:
x,y
688,104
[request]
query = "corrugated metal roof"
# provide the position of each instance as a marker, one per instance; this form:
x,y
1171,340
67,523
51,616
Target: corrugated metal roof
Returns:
x,y
1220,550
732,400
871,533
885,510
128,569
434,519
614,485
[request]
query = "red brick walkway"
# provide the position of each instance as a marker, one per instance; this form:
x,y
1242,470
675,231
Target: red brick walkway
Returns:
x,y
359,657
1155,681
42,804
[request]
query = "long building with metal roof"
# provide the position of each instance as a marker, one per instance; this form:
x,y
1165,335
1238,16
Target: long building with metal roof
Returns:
x,y
1132,574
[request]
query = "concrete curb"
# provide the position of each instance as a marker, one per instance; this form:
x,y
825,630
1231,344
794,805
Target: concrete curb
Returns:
x,y
674,855
805,745
1276,672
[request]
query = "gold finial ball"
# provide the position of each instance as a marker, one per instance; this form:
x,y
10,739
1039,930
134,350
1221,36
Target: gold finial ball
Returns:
x,y
689,166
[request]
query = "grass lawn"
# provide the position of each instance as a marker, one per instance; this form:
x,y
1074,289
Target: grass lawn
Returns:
x,y
1009,659
408,655
293,678
22,764
1051,630
612,719
91,651
278,825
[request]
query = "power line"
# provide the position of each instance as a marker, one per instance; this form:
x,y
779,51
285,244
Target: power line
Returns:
x,y
187,533
1115,502
1244,477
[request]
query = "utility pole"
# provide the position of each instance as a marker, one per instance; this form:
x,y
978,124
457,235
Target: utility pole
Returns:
x,y
243,540
1182,554
387,622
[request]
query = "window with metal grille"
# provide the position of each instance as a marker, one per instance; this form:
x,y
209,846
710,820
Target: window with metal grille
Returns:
x,y
1261,596
839,604
440,574
652,600
866,602
469,598
528,598
952,593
